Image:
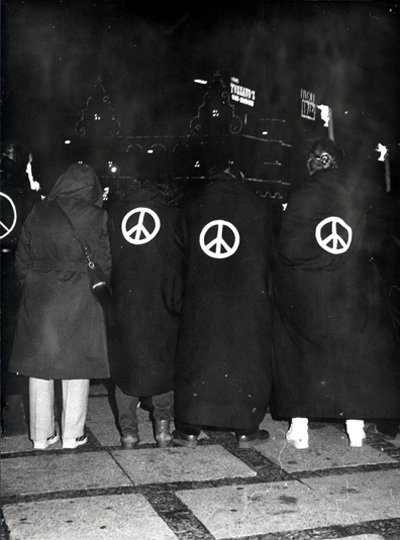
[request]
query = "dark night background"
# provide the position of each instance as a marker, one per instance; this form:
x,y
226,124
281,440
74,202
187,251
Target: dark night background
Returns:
x,y
54,51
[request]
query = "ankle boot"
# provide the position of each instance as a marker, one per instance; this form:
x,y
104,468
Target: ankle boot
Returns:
x,y
297,435
355,432
130,440
162,433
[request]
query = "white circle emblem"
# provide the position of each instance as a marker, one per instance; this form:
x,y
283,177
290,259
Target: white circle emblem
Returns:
x,y
333,242
138,233
6,228
218,247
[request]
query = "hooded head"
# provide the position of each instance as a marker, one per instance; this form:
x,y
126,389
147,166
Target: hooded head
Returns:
x,y
322,153
78,182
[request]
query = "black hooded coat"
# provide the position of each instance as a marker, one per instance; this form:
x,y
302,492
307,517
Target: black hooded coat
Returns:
x,y
60,331
147,282
223,370
16,202
336,350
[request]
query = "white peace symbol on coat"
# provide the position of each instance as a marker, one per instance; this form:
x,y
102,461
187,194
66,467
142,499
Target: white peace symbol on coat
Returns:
x,y
7,228
223,250
139,234
333,242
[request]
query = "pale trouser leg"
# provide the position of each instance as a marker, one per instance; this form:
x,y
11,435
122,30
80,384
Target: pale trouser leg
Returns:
x,y
75,396
298,433
299,423
41,408
355,432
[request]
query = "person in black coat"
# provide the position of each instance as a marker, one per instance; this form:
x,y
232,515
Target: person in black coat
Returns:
x,y
147,283
60,331
336,349
223,366
387,222
17,199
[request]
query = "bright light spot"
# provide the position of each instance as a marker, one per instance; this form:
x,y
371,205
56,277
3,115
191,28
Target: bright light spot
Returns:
x,y
383,151
35,186
265,133
150,151
113,168
200,81
67,141
325,114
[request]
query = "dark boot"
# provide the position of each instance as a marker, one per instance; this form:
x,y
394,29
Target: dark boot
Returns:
x,y
130,440
260,436
14,423
162,433
184,437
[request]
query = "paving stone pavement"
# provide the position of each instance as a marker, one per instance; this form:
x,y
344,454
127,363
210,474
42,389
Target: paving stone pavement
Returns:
x,y
213,492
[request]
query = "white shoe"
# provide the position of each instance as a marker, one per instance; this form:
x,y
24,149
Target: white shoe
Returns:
x,y
42,445
74,443
355,433
356,442
297,439
297,435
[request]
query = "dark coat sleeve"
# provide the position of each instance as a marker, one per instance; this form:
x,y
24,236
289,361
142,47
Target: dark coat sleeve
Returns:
x,y
23,258
102,253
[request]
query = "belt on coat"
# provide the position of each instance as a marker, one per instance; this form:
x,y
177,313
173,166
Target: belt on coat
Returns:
x,y
60,266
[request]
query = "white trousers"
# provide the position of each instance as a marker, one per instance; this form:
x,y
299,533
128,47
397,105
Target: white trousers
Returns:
x,y
75,396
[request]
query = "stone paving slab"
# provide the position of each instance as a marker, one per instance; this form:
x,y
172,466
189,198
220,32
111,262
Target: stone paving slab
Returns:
x,y
147,466
60,472
359,537
328,449
235,511
19,443
361,496
114,517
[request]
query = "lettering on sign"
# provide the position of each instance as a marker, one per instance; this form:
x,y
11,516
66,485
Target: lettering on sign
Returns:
x,y
308,107
241,94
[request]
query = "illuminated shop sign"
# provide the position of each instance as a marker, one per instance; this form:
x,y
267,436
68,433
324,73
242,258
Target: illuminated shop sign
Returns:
x,y
241,94
308,107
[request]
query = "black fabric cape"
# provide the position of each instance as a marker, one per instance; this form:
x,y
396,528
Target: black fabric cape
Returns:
x,y
336,351
223,370
147,283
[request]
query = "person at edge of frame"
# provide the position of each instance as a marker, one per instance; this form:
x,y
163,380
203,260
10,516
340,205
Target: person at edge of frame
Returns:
x,y
336,349
18,196
384,225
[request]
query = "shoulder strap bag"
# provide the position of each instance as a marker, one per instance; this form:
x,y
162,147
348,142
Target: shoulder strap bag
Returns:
x,y
99,284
